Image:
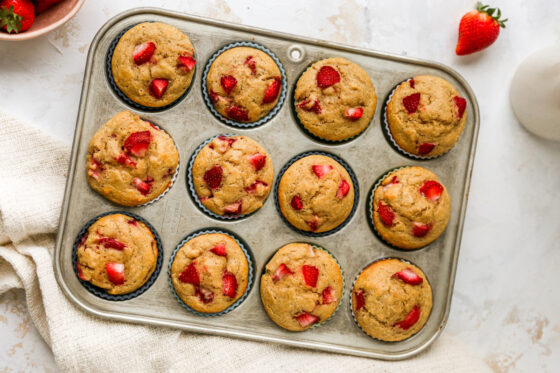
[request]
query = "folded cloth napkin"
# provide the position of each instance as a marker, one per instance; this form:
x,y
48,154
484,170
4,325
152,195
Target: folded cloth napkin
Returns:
x,y
33,170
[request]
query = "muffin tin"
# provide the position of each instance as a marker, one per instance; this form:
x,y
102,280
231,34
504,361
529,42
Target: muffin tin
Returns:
x,y
175,215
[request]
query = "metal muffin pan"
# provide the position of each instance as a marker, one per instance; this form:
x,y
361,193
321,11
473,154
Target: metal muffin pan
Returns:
x,y
176,215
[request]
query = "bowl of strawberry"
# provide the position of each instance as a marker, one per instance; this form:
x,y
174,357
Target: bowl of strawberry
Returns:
x,y
27,19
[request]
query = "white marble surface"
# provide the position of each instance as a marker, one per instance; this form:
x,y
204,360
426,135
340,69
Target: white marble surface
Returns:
x,y
506,302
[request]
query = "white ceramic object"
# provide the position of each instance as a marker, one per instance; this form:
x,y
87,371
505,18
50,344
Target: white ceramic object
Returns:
x,y
535,93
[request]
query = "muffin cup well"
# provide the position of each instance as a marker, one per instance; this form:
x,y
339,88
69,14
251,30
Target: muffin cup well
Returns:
x,y
389,136
341,295
120,94
352,292
101,293
354,182
231,122
248,255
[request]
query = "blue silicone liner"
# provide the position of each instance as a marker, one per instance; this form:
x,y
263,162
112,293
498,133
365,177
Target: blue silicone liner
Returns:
x,y
101,293
267,117
250,277
121,95
354,183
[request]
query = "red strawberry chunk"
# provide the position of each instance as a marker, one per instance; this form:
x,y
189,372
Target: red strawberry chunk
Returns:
x,y
137,143
409,276
214,96
328,295
158,87
272,91
410,319
249,61
432,190
306,319
132,222
296,203
343,189
411,82
258,161
386,214
310,275
111,243
313,223
321,170
354,113
206,296
237,113
186,62
359,299
143,52
327,76
153,125
233,208
126,160
281,272
411,103
190,275
228,140
426,147
80,273
115,272
228,83
219,250
142,186
315,108
229,286
253,187
461,104
213,177
394,180
420,229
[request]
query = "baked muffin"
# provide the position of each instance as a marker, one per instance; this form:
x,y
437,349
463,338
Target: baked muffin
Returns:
x,y
335,99
210,272
117,253
301,286
244,84
153,64
232,175
391,300
410,208
316,194
130,161
426,115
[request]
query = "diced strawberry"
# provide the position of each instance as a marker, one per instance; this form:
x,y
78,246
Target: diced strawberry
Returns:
x,y
149,179
420,229
137,143
411,82
84,238
327,76
321,170
206,296
431,189
115,272
296,203
80,273
142,186
425,147
132,222
153,125
272,91
386,214
233,208
409,276
237,113
313,223
143,52
343,189
228,83
186,63
461,104
204,199
213,177
249,61
112,243
158,87
126,160
253,187
394,180
310,275
411,103
95,168
328,295
258,161
214,96
228,140
306,319
281,272
190,275
360,299
410,319
316,107
229,286
354,113
219,250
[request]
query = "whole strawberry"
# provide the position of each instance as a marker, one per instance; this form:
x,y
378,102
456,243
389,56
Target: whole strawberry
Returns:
x,y
16,15
479,29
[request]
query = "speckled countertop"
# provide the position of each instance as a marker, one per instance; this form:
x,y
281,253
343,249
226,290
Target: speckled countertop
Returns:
x,y
506,302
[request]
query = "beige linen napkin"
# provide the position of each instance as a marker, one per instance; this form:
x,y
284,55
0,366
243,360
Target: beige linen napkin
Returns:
x,y
33,170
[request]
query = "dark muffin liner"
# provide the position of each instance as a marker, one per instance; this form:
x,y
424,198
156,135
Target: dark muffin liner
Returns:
x,y
101,293
229,121
121,95
354,182
248,256
352,293
192,191
340,301
389,136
